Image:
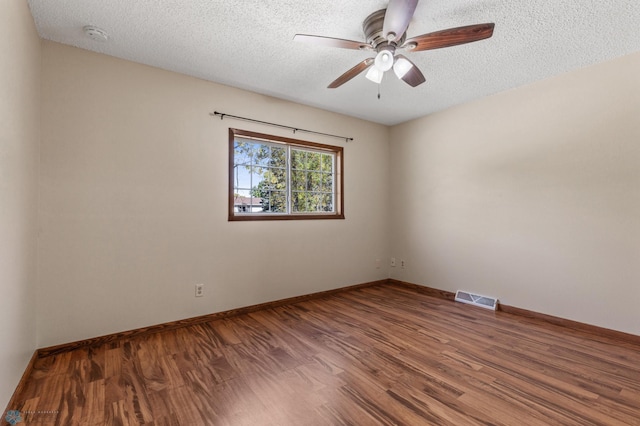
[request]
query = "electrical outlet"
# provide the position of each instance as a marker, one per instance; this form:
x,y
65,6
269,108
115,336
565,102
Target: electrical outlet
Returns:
x,y
402,263
377,263
199,290
393,261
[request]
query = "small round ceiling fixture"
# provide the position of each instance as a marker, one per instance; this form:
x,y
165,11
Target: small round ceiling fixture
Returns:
x,y
95,33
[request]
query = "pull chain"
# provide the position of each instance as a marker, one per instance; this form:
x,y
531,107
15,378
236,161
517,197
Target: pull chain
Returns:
x,y
378,91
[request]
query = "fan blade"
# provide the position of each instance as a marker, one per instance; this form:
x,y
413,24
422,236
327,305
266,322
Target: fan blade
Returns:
x,y
450,37
397,18
351,73
413,77
331,42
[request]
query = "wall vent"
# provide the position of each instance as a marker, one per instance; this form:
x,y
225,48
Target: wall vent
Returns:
x,y
477,300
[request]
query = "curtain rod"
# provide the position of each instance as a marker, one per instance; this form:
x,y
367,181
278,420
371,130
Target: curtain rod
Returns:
x,y
295,129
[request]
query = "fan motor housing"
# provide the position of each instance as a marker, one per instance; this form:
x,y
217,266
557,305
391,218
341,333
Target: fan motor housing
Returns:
x,y
372,27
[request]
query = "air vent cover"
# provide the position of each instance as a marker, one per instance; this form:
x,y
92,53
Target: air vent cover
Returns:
x,y
477,300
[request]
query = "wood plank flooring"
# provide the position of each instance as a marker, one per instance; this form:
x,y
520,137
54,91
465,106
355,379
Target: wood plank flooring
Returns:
x,y
378,355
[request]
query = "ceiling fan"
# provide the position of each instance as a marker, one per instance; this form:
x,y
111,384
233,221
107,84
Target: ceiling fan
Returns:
x,y
385,33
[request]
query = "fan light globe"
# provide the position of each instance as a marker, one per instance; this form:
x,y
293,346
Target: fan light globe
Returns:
x,y
375,75
384,60
402,67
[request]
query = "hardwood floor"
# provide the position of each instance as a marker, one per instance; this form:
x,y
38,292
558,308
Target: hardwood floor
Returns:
x,y
378,355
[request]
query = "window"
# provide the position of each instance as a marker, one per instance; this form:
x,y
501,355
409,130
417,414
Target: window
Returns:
x,y
272,178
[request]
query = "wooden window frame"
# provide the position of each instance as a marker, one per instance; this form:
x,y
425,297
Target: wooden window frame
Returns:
x,y
338,181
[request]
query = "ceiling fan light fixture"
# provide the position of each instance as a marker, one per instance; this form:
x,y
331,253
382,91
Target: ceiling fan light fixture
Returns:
x,y
401,67
374,74
385,33
384,60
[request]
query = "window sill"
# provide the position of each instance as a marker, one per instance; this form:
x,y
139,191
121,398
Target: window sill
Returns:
x,y
311,216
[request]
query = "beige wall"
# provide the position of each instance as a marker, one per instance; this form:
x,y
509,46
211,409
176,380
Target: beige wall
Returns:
x,y
19,139
531,195
134,201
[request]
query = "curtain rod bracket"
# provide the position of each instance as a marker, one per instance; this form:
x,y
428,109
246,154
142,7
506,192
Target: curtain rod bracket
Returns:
x,y
295,129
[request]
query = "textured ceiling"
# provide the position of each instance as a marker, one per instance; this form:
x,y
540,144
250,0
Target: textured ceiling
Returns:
x,y
248,44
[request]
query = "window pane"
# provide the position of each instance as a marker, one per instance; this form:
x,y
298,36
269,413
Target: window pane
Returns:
x,y
327,163
278,157
298,180
243,153
327,202
242,169
314,182
265,203
313,160
256,176
327,183
261,154
309,202
299,202
259,169
298,159
278,202
278,178
271,181
268,183
315,204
